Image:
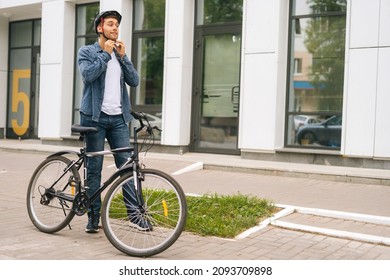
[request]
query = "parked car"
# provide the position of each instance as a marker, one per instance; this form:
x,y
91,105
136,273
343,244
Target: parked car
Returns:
x,y
327,133
301,120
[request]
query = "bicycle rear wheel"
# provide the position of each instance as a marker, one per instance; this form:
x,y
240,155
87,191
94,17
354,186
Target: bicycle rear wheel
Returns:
x,y
47,211
164,210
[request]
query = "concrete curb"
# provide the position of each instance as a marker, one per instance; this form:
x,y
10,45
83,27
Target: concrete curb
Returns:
x,y
289,209
335,233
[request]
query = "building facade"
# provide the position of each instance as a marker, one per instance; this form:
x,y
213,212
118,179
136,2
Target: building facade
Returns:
x,y
298,80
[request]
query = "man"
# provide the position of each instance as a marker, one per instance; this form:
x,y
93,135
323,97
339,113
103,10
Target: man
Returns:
x,y
105,104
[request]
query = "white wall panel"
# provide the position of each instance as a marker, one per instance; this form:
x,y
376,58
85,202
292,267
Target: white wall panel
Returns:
x,y
50,79
172,101
263,61
364,23
174,29
361,102
56,79
384,34
15,3
382,129
260,22
281,69
179,26
50,102
258,108
52,31
3,70
67,68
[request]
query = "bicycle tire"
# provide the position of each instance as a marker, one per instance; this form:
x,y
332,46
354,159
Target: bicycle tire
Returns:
x,y
53,214
165,208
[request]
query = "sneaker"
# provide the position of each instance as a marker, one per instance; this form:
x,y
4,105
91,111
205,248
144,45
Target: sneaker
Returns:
x,y
93,224
141,224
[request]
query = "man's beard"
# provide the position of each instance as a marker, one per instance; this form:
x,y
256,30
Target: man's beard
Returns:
x,y
110,37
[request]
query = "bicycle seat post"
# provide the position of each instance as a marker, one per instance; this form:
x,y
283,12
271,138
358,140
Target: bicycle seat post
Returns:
x,y
84,141
83,150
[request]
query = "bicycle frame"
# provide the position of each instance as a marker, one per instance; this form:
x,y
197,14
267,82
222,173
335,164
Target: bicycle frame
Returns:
x,y
143,210
131,165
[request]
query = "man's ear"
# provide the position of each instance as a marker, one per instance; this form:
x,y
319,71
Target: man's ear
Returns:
x,y
99,28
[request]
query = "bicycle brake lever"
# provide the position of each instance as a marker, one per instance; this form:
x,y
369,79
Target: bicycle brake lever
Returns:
x,y
143,132
136,115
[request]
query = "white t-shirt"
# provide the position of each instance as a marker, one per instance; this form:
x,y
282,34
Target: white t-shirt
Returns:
x,y
112,91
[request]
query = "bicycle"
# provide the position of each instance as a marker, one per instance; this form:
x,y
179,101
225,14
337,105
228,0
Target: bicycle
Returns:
x,y
57,192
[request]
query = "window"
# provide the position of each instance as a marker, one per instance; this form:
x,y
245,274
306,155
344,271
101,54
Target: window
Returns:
x,y
148,57
218,11
317,46
298,66
85,35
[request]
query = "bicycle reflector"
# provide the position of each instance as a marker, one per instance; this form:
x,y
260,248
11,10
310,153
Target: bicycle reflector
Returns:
x,y
165,206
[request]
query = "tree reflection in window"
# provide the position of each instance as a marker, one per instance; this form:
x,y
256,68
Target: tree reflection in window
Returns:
x,y
318,41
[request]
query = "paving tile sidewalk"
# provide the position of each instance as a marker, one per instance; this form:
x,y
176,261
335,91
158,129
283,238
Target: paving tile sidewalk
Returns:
x,y
20,240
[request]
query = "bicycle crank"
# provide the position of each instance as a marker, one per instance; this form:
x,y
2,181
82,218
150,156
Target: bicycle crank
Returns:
x,y
80,204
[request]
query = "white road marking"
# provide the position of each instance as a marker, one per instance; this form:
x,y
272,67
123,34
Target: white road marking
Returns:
x,y
193,167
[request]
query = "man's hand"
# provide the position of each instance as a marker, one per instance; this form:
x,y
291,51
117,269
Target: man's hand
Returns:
x,y
109,46
120,47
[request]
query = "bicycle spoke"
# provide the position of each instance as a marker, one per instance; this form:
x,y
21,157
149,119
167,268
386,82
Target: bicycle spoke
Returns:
x,y
156,225
48,212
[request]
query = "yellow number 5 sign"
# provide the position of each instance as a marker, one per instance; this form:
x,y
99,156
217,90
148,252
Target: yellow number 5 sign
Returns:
x,y
20,98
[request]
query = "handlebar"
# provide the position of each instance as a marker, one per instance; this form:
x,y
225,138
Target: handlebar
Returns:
x,y
141,117
137,115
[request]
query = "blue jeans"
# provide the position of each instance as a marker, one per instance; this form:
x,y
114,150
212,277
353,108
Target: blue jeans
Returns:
x,y
116,131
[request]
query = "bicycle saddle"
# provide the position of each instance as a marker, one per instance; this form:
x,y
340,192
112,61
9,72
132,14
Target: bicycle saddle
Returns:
x,y
83,129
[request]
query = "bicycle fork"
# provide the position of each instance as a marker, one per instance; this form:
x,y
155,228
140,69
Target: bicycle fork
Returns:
x,y
138,177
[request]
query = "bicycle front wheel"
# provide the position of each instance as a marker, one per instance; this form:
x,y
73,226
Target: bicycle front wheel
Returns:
x,y
146,230
49,185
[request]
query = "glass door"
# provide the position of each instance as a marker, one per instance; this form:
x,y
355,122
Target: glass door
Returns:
x,y
23,79
217,90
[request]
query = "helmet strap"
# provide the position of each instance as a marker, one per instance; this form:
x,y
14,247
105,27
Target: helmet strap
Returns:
x,y
102,25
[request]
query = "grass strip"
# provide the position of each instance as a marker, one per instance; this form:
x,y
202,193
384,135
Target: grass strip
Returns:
x,y
226,215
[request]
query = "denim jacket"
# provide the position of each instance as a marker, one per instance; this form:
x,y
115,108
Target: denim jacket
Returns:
x,y
92,62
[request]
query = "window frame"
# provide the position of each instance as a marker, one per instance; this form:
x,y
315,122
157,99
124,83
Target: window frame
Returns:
x,y
137,34
33,96
291,73
76,107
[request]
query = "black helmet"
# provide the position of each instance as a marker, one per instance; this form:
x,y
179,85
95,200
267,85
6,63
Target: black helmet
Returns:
x,y
105,14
